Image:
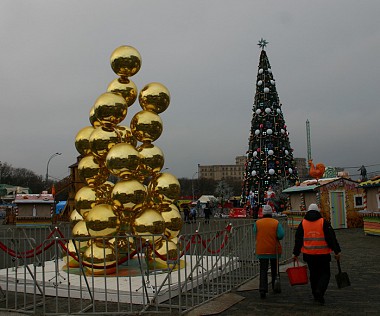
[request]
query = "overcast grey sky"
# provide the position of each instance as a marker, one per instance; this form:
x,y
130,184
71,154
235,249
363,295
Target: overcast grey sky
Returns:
x,y
54,63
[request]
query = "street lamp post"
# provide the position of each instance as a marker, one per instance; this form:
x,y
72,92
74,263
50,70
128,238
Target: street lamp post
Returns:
x,y
47,166
192,184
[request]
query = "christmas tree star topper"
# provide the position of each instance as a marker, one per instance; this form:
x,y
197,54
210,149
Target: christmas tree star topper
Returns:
x,y
262,43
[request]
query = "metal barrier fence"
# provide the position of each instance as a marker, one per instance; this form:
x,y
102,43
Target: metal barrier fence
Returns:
x,y
45,272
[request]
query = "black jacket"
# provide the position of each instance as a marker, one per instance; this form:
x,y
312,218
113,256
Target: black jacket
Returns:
x,y
328,231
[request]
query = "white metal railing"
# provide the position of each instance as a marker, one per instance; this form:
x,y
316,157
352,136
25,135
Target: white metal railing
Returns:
x,y
42,275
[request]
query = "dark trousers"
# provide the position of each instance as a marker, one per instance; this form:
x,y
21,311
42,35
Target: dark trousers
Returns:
x,y
319,270
264,265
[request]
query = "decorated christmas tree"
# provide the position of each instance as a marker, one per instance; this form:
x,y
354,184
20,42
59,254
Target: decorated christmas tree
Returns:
x,y
270,165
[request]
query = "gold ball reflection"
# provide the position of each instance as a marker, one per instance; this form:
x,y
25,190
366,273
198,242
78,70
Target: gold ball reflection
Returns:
x,y
85,200
101,221
173,221
82,140
122,160
154,97
123,244
152,159
149,222
165,186
102,140
110,109
127,90
93,173
146,126
100,254
125,61
128,195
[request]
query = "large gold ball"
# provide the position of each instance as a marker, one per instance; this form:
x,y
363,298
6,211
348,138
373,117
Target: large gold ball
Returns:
x,y
101,221
128,195
123,244
82,140
126,135
122,160
85,200
173,221
152,159
127,90
146,126
75,217
154,97
125,61
166,186
93,173
102,140
149,222
110,109
100,254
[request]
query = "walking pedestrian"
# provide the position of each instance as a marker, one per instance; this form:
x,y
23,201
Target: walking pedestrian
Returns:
x,y
186,213
316,239
268,232
193,214
207,212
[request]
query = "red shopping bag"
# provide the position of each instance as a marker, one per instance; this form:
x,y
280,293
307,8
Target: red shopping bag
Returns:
x,y
297,274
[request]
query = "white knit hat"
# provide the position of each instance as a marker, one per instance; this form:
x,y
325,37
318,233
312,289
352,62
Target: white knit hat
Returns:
x,y
267,210
313,207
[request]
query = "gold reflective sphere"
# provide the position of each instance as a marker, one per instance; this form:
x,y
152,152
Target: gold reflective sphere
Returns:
x,y
99,254
101,221
168,249
82,140
127,90
123,244
173,221
125,61
85,199
126,135
146,126
110,109
149,222
102,140
128,195
166,186
122,160
93,173
80,229
154,97
152,159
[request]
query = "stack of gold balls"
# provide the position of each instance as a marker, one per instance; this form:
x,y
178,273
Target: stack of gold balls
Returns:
x,y
141,201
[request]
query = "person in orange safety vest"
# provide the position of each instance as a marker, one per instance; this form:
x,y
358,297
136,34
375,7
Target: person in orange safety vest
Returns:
x,y
268,231
316,239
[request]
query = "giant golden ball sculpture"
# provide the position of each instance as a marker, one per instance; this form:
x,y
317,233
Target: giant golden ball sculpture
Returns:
x,y
137,207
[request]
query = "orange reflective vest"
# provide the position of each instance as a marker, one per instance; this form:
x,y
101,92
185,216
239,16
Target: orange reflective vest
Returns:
x,y
266,237
314,242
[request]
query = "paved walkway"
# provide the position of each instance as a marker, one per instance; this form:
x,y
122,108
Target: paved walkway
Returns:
x,y
360,259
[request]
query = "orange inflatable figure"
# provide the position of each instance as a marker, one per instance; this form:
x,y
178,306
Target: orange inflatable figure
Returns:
x,y
316,171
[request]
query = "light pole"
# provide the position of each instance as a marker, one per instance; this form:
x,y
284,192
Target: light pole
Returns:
x,y
47,166
192,184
